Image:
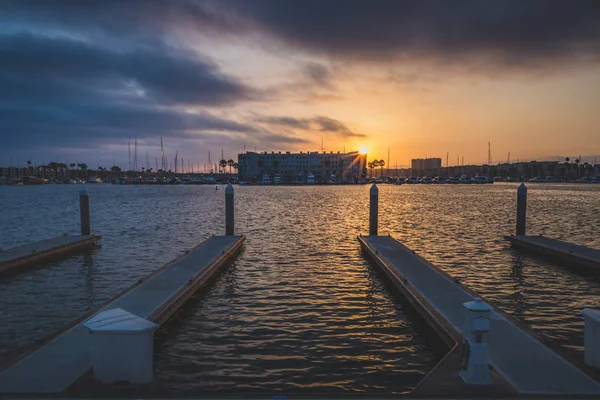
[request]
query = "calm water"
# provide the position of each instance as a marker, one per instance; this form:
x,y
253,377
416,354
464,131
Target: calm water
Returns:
x,y
300,310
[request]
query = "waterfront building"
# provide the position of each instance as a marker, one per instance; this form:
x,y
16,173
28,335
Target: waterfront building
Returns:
x,y
296,167
422,166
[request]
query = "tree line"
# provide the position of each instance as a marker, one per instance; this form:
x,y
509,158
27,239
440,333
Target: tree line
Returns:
x,y
376,164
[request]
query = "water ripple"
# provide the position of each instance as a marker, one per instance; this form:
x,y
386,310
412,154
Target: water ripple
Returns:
x,y
300,310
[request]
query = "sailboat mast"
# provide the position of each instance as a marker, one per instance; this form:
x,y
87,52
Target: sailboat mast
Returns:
x,y
162,155
388,161
135,155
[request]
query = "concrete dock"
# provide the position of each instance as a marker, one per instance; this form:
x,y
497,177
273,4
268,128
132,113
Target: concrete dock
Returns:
x,y
567,253
521,360
64,358
22,256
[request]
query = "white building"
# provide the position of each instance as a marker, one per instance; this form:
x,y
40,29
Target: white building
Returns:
x,y
295,167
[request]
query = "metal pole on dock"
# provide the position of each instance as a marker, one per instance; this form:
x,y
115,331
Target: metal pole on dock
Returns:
x,y
229,209
373,210
521,209
84,211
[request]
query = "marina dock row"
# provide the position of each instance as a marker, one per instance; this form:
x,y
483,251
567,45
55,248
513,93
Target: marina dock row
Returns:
x,y
478,335
525,363
12,259
34,253
63,359
559,251
568,253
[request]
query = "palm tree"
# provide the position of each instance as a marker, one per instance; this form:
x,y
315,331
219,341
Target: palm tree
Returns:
x,y
370,166
72,165
236,166
375,165
578,170
230,164
381,165
567,168
223,164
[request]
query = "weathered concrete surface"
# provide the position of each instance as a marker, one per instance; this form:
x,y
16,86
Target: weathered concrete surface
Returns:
x,y
53,367
567,253
22,256
526,364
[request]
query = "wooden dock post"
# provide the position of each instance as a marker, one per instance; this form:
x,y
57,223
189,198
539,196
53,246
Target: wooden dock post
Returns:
x,y
84,211
373,210
229,222
521,209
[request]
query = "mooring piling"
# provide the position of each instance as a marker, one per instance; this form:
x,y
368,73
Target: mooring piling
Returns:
x,y
373,210
521,209
229,214
84,211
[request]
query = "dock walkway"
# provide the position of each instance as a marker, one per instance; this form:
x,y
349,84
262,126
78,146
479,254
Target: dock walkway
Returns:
x,y
569,253
55,366
35,252
525,363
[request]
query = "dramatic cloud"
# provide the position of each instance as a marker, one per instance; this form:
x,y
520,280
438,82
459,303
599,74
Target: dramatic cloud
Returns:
x,y
98,72
506,33
335,126
318,74
317,124
130,18
56,91
162,74
510,32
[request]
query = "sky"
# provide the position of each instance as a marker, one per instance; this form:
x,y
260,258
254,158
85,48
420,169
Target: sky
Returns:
x,y
79,80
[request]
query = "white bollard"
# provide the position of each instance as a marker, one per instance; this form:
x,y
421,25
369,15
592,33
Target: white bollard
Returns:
x,y
121,347
591,337
475,369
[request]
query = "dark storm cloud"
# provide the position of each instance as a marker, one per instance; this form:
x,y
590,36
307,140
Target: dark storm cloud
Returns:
x,y
164,74
63,92
288,122
129,18
510,32
319,123
506,33
333,125
318,74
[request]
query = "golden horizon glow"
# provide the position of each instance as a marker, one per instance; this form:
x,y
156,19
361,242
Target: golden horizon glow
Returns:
x,y
362,150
